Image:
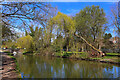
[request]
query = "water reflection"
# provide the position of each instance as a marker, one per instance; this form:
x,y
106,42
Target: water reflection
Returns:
x,y
51,67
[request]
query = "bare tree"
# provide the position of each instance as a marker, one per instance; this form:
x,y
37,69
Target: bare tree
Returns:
x,y
21,14
115,17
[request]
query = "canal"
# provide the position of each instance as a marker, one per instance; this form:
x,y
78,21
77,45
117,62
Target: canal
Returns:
x,y
53,67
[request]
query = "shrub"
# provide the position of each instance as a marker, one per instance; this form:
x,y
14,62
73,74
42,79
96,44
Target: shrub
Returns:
x,y
26,42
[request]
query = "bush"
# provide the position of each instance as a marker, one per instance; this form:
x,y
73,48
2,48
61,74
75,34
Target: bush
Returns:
x,y
57,49
65,54
26,42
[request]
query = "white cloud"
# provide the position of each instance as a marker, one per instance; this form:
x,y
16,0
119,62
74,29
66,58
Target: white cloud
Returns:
x,y
72,11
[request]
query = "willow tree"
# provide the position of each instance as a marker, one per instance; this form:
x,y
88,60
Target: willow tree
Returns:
x,y
64,26
90,25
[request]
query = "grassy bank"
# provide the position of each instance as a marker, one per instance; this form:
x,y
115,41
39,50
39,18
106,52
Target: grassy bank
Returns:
x,y
109,58
114,54
27,53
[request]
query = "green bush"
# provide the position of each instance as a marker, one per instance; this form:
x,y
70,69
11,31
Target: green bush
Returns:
x,y
65,54
26,42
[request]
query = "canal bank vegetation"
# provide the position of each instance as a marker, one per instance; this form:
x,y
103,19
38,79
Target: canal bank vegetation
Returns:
x,y
56,34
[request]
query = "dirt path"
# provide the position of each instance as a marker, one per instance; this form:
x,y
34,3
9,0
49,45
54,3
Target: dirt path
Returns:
x,y
8,67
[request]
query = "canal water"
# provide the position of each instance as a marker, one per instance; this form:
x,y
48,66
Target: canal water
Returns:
x,y
53,67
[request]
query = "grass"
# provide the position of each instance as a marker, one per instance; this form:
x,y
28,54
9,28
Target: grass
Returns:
x,y
69,53
86,55
25,52
10,54
6,51
17,66
112,54
108,58
58,54
72,52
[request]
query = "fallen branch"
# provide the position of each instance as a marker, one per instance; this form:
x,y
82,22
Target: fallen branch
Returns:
x,y
90,45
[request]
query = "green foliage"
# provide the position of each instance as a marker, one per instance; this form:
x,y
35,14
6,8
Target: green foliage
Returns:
x,y
58,44
107,36
47,51
65,54
90,24
65,27
92,19
32,31
9,44
58,33
64,22
26,42
58,54
112,53
15,60
108,44
26,33
7,33
57,49
84,55
36,35
13,46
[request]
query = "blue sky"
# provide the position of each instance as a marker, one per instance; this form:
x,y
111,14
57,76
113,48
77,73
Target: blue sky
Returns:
x,y
71,8
81,0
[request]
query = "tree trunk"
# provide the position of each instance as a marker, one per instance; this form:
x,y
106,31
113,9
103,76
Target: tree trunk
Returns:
x,y
82,48
99,46
89,44
67,48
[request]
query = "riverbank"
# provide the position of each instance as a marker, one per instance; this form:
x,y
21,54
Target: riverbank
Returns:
x,y
9,67
92,59
112,58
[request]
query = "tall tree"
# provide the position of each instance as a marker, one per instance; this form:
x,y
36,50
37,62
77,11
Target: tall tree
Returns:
x,y
50,24
64,27
37,36
115,17
7,33
107,43
90,24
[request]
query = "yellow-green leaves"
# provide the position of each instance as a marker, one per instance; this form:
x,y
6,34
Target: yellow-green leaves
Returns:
x,y
64,23
26,42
